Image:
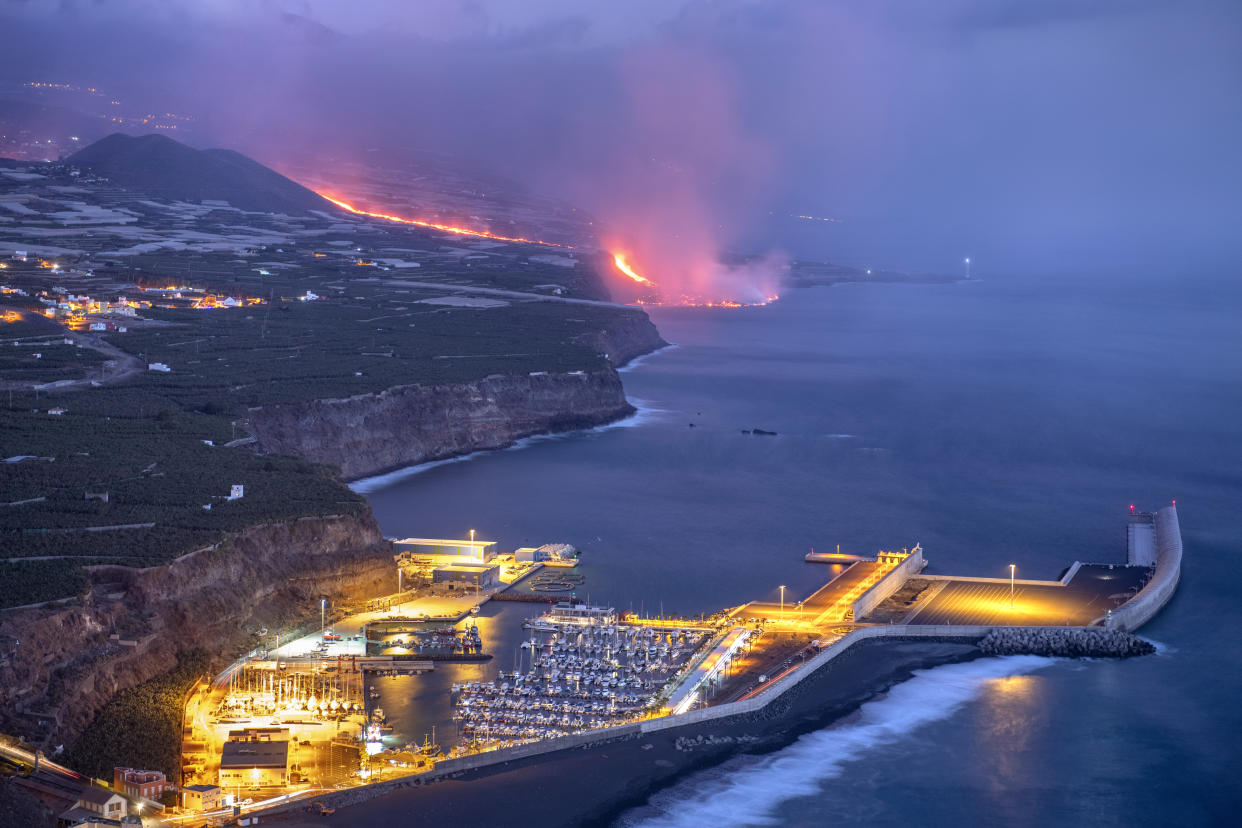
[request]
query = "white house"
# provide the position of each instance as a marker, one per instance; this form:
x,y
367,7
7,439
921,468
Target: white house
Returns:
x,y
96,802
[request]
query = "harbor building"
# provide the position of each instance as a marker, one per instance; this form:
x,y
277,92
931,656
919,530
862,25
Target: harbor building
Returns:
x,y
440,549
1141,539
258,762
200,798
552,553
472,575
581,614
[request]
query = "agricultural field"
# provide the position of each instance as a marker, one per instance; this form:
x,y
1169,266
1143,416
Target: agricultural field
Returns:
x,y
108,461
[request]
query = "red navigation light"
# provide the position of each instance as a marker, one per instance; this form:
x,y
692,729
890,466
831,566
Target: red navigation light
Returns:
x,y
1131,507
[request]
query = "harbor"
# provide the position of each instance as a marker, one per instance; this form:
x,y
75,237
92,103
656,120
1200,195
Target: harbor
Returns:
x,y
575,675
422,685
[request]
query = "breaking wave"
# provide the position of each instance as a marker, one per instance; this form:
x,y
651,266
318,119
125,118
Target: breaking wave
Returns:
x,y
639,360
747,790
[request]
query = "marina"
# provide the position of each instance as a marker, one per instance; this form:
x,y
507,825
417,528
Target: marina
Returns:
x,y
418,682
580,670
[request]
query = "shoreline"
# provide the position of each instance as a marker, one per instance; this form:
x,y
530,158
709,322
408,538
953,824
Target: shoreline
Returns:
x,y
639,413
640,360
623,767
613,775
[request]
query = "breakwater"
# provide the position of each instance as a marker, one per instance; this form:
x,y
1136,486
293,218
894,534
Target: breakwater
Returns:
x,y
797,691
777,702
525,597
1164,579
807,689
1064,642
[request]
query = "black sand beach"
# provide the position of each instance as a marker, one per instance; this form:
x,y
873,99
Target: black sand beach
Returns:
x,y
593,785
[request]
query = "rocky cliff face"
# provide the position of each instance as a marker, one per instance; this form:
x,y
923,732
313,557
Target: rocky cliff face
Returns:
x,y
66,664
625,337
412,424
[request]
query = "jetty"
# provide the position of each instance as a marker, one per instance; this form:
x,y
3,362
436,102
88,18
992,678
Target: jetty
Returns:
x,y
602,681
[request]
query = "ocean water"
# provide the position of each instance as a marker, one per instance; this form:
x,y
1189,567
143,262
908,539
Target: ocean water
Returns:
x,y
996,422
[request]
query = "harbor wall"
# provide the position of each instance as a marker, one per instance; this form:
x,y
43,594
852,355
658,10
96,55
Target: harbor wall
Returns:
x,y
772,701
771,704
977,580
889,584
1151,598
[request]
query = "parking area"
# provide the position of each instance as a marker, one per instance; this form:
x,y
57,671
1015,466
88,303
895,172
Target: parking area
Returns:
x,y
1092,592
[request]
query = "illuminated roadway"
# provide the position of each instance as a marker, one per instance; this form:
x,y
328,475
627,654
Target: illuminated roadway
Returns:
x,y
828,604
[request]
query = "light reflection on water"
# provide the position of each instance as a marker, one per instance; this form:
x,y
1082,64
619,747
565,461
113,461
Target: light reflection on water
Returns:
x,y
994,422
1009,711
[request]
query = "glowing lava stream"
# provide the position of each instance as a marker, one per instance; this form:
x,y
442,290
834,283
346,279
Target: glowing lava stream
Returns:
x,y
622,265
619,259
447,228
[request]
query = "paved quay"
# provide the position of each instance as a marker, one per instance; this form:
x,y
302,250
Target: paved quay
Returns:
x,y
1089,596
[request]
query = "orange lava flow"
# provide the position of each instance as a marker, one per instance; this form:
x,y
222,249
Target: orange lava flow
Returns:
x,y
446,228
622,265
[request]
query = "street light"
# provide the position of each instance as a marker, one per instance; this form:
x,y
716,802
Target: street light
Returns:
x,y
323,613
782,602
1011,570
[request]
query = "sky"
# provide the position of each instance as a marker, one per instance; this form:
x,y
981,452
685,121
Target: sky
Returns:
x,y
1059,137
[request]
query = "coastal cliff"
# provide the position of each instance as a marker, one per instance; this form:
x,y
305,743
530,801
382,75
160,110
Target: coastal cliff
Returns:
x,y
65,663
625,337
406,425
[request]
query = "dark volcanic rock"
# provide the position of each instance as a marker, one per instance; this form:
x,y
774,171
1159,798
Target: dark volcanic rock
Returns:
x,y
169,170
1065,642
67,666
403,426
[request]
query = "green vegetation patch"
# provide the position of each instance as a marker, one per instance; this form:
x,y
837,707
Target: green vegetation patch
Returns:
x,y
141,726
157,475
32,582
292,352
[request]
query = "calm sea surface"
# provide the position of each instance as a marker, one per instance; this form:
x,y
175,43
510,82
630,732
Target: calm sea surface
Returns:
x,y
994,422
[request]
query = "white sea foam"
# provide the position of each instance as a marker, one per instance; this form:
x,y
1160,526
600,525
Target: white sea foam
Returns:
x,y
747,791
639,360
644,414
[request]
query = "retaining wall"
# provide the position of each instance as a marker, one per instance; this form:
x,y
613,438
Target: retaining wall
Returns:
x,y
889,584
1152,598
976,580
1071,572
